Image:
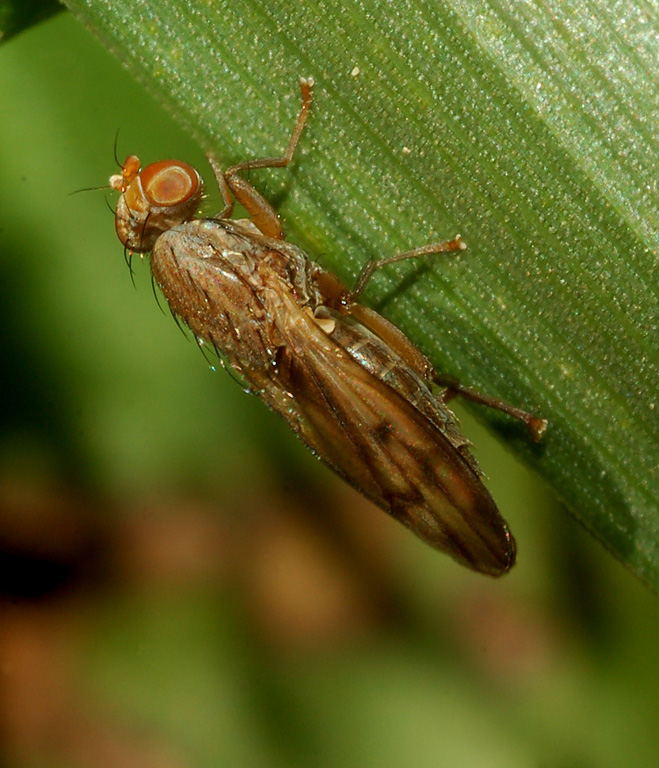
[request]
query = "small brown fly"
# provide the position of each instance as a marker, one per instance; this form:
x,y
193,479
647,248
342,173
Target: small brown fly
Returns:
x,y
350,384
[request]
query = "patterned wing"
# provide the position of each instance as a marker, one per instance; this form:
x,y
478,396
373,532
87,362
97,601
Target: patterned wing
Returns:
x,y
386,448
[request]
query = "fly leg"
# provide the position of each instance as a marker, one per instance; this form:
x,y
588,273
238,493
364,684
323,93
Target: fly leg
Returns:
x,y
369,268
408,352
536,425
381,327
235,188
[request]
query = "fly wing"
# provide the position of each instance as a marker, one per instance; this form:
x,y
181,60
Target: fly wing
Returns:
x,y
344,390
381,444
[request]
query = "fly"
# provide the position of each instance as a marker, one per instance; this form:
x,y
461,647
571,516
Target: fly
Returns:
x,y
348,382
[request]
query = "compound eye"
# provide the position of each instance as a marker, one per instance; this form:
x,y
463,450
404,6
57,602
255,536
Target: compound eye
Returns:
x,y
169,183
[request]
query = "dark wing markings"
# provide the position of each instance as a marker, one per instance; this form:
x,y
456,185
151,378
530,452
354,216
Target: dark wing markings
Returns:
x,y
387,449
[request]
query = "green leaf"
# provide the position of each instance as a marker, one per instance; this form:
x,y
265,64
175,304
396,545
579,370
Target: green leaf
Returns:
x,y
17,15
528,128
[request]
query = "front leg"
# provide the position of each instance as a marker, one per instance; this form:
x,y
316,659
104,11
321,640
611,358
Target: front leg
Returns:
x,y
235,188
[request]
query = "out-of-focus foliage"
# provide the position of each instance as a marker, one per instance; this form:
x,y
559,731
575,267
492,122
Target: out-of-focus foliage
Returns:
x,y
16,15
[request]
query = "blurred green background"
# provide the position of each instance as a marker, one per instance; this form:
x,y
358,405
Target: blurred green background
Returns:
x,y
184,585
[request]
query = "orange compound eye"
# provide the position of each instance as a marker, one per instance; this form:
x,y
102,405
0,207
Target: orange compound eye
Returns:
x,y
169,183
162,196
